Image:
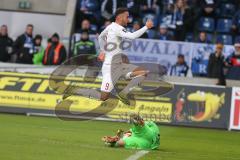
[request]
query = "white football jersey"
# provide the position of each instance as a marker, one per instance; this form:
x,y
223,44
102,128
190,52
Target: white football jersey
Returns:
x,y
111,38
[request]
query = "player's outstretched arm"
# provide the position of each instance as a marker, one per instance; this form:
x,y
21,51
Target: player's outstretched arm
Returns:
x,y
138,33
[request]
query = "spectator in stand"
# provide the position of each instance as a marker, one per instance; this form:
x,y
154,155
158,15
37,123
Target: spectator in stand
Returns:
x,y
166,6
38,50
88,9
203,38
234,59
216,65
106,23
233,62
207,8
167,14
24,46
150,6
134,8
109,7
86,25
84,46
180,68
136,26
6,44
181,20
236,22
55,53
163,33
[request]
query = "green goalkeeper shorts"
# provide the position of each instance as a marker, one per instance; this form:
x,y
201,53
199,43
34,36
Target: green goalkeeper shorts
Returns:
x,y
146,137
133,142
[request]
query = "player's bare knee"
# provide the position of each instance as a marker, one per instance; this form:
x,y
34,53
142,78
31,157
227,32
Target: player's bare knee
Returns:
x,y
142,73
104,97
120,143
145,73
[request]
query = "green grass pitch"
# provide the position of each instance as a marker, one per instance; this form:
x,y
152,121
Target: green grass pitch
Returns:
x,y
38,138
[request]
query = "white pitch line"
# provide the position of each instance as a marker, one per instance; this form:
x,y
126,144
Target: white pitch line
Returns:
x,y
137,155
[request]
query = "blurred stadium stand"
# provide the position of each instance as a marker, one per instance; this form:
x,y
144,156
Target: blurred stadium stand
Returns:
x,y
220,23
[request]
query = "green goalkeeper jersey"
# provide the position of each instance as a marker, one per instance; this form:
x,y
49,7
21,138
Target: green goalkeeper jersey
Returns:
x,y
143,137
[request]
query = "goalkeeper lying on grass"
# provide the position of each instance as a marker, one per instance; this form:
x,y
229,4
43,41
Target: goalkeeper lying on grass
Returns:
x,y
142,135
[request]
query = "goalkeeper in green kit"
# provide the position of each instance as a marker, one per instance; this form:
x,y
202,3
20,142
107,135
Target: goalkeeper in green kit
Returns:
x,y
143,135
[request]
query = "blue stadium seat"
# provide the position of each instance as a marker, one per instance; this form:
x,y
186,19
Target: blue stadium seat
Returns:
x,y
206,24
189,37
210,37
224,25
225,39
151,33
227,10
237,39
94,27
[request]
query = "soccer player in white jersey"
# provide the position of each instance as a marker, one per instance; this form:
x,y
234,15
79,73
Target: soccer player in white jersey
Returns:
x,y
114,65
111,44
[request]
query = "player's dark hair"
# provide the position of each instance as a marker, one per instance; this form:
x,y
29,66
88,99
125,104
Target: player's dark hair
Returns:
x,y
30,25
180,56
4,25
120,11
38,36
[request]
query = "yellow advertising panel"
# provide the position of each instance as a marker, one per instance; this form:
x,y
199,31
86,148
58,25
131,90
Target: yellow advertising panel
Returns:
x,y
32,91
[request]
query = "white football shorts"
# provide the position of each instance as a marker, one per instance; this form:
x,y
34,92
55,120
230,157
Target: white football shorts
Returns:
x,y
112,72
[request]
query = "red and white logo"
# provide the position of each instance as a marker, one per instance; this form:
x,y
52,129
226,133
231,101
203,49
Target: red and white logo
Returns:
x,y
236,118
235,109
237,93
